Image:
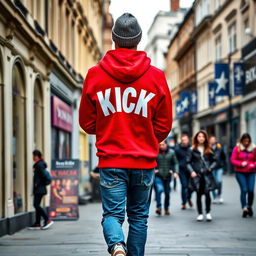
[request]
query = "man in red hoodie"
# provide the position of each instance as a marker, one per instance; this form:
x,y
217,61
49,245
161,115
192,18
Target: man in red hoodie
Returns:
x,y
126,102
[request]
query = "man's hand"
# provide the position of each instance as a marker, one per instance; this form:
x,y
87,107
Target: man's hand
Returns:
x,y
156,171
193,174
171,171
95,176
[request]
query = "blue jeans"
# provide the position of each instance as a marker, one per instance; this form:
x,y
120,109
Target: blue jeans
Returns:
x,y
130,188
161,186
218,179
246,182
185,191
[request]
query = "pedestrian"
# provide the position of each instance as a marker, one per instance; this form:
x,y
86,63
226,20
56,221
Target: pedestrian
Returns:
x,y
40,181
201,163
172,145
126,102
220,157
167,167
182,151
244,160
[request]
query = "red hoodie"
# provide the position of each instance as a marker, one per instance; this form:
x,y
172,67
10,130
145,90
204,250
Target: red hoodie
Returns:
x,y
126,102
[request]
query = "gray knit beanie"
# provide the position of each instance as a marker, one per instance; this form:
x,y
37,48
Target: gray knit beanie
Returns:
x,y
126,32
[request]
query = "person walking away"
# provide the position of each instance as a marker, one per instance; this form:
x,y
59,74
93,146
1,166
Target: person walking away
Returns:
x,y
201,163
182,150
39,191
244,160
220,157
167,166
126,102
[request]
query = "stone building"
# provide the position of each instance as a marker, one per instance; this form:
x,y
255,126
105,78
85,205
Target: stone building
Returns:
x,y
46,48
222,32
161,31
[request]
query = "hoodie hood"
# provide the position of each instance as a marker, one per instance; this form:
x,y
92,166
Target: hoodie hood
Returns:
x,y
125,65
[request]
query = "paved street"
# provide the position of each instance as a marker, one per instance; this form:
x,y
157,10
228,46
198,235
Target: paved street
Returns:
x,y
178,234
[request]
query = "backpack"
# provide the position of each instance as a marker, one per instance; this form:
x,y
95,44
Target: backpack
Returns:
x,y
47,178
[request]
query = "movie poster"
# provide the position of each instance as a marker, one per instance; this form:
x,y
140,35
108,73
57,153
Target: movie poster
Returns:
x,y
64,189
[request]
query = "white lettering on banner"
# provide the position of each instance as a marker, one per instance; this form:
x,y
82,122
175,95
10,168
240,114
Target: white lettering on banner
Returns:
x,y
125,105
250,75
63,115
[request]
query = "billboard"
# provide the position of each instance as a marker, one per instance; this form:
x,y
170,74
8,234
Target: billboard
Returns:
x,y
64,189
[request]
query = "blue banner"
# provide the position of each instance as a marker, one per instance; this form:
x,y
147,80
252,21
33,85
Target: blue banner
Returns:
x,y
185,103
211,93
239,78
222,79
193,102
178,109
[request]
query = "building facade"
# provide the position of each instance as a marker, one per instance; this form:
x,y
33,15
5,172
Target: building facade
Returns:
x,y
46,48
180,71
222,32
163,28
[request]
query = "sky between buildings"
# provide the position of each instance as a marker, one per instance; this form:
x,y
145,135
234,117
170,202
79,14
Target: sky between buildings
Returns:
x,y
144,11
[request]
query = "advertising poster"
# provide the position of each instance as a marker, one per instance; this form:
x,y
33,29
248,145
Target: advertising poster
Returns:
x,y
64,189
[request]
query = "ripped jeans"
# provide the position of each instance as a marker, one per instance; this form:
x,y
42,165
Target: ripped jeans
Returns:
x,y
130,188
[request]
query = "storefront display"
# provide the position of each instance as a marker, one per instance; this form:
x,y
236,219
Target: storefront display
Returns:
x,y
62,126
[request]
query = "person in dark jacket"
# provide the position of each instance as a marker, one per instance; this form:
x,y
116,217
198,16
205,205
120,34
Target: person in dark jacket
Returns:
x,y
167,165
39,191
220,157
182,151
201,162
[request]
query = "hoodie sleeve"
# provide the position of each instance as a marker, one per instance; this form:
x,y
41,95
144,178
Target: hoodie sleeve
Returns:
x,y
87,111
163,117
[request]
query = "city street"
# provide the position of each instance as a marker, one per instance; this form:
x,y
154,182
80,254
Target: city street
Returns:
x,y
177,234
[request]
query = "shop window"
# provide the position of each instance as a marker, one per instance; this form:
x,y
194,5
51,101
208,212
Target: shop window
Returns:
x,y
62,126
61,144
38,116
252,124
18,138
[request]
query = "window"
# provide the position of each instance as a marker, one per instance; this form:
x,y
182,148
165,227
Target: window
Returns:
x,y
246,37
202,10
218,50
217,4
232,37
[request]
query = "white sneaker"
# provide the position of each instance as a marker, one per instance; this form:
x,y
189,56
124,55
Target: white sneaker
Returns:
x,y
221,201
200,217
118,250
215,201
208,217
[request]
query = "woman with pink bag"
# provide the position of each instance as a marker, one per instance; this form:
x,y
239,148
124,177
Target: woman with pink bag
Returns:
x,y
244,160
